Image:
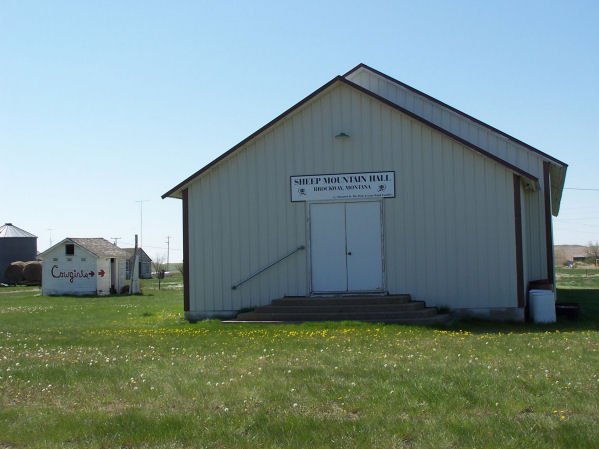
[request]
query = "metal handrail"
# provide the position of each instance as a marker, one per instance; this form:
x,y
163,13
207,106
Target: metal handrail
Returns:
x,y
299,248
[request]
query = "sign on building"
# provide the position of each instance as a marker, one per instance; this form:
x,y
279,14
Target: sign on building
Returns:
x,y
343,186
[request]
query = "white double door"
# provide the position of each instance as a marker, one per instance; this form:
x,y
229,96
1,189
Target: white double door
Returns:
x,y
346,247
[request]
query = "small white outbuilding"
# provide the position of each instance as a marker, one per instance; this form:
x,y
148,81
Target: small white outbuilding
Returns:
x,y
83,266
370,187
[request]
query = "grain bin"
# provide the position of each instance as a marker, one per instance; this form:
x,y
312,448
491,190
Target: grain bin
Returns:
x,y
15,244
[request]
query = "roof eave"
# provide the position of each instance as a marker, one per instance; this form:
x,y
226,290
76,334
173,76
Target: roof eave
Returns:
x,y
177,191
558,180
482,151
545,156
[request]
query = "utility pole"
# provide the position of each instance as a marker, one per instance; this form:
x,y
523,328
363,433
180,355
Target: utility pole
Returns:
x,y
134,287
116,240
141,221
168,250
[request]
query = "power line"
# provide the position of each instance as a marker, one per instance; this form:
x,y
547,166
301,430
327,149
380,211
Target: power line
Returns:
x,y
580,188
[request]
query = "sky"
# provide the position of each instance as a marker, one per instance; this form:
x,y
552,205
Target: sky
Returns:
x,y
107,105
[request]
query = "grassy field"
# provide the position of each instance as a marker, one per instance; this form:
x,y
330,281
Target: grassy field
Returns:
x,y
579,278
129,372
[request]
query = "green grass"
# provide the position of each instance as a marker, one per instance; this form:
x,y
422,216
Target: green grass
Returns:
x,y
578,278
129,372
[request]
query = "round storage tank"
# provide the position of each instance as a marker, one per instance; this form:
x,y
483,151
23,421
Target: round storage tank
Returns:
x,y
15,244
542,306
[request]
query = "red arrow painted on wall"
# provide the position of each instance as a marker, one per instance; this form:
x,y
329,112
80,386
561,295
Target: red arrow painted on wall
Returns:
x,y
101,273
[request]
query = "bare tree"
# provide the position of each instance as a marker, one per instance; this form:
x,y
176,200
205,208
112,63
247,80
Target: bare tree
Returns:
x,y
158,264
179,267
593,250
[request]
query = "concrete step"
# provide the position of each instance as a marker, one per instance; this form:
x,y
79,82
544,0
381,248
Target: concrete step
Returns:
x,y
438,319
317,307
344,300
315,315
378,309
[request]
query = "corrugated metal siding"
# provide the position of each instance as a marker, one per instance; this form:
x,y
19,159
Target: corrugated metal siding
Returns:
x,y
454,228
13,249
450,120
449,233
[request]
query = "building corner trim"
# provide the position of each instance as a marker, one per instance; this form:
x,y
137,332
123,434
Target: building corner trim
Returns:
x,y
518,233
186,279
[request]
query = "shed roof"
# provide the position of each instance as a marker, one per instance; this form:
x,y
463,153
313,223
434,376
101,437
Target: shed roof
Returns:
x,y
131,252
98,246
10,230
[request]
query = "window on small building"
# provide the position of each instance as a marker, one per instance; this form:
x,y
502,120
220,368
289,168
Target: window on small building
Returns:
x,y
69,249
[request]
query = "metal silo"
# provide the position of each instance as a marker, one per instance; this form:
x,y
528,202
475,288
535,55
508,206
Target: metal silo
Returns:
x,y
15,244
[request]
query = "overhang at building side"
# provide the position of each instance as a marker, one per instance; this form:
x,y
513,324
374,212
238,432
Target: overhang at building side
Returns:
x,y
449,232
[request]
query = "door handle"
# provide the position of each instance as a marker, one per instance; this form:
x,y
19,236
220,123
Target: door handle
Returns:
x,y
349,253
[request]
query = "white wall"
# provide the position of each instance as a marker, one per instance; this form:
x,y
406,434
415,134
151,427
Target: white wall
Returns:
x,y
104,282
122,274
69,275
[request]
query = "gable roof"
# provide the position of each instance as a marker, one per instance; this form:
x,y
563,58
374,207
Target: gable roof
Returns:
x,y
9,230
99,247
140,251
176,192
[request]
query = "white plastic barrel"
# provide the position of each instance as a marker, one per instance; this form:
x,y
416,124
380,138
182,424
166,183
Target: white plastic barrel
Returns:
x,y
542,306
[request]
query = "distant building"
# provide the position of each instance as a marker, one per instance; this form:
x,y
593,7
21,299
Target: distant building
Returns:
x,y
145,263
83,266
15,245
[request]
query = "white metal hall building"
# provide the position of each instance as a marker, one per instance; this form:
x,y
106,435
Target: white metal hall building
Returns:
x,y
370,186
